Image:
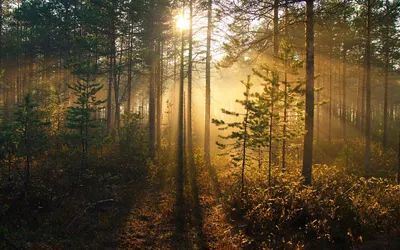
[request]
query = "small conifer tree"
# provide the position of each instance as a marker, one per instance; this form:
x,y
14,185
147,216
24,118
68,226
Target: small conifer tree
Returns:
x,y
81,117
31,134
238,150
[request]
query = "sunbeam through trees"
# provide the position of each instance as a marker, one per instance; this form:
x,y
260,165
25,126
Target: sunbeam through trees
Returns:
x,y
199,124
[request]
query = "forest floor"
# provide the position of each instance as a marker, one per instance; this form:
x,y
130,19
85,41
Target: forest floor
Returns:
x,y
137,214
151,221
141,215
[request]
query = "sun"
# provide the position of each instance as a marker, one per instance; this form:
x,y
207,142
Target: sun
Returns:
x,y
182,23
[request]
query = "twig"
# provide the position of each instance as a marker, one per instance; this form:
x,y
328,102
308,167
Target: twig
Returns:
x,y
92,205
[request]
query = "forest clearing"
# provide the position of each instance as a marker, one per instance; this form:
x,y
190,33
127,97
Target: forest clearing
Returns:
x,y
199,124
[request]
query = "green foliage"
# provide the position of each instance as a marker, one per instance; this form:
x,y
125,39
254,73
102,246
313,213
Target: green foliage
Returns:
x,y
338,210
30,126
133,139
238,135
347,154
82,117
267,112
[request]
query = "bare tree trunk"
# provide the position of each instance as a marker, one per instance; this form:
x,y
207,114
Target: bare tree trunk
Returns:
x,y
245,132
363,88
158,93
116,77
276,28
385,105
109,95
285,120
318,109
285,112
208,86
368,93
181,132
344,103
152,111
330,94
190,79
344,107
358,104
130,71
271,124
398,162
152,101
274,150
309,120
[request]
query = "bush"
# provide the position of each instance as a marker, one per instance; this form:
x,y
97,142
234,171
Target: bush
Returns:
x,y
339,209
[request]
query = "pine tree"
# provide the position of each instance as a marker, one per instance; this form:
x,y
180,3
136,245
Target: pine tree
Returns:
x,y
309,122
31,134
238,150
81,116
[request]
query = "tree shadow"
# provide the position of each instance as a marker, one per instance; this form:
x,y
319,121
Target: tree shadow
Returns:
x,y
188,232
214,178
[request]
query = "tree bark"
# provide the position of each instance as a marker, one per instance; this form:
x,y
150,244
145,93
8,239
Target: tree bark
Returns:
x,y
276,28
208,86
152,102
181,132
368,93
385,105
190,80
309,119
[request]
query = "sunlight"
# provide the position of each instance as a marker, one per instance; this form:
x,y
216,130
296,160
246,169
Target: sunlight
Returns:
x,y
182,22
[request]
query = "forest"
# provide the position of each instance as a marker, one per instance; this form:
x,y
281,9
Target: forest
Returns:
x,y
199,124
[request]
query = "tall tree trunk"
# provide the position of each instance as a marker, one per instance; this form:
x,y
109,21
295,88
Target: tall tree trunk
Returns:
x,y
245,138
318,109
109,94
152,101
271,131
158,93
368,93
274,153
385,105
190,80
193,170
309,120
285,101
358,104
117,74
344,103
330,94
3,90
398,161
208,86
152,111
344,107
363,89
174,123
245,132
181,132
129,104
276,28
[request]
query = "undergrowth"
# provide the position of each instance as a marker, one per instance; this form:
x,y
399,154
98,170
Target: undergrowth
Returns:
x,y
340,210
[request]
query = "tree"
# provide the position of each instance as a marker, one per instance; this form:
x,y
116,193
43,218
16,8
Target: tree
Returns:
x,y
238,150
208,85
309,116
31,134
181,132
189,89
368,91
292,92
81,117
